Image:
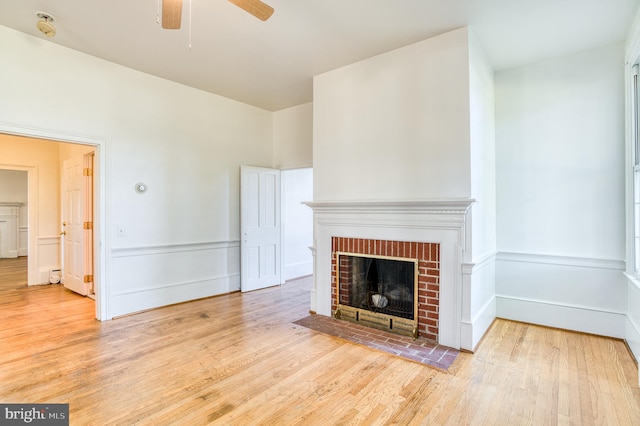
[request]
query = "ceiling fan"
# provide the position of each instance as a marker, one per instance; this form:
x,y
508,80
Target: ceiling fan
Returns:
x,y
172,11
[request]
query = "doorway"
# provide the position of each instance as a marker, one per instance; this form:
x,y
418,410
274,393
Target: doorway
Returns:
x,y
276,227
34,151
297,223
13,213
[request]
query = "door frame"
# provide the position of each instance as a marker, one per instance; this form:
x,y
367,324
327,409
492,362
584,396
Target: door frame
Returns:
x,y
100,243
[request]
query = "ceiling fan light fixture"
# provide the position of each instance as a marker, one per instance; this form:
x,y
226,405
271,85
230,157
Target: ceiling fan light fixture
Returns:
x,y
45,25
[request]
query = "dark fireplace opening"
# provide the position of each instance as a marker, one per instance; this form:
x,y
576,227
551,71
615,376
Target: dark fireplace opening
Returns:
x,y
378,284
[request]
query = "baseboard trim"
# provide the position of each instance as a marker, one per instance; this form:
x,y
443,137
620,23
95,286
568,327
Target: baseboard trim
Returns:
x,y
473,331
585,319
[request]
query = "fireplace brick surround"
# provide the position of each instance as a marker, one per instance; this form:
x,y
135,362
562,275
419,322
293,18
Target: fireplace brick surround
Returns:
x,y
428,256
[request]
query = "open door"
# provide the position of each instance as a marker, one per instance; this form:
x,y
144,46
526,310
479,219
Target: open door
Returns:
x,y
77,233
88,223
260,228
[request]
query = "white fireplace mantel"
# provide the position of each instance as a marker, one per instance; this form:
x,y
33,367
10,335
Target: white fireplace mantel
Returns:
x,y
9,229
453,206
440,221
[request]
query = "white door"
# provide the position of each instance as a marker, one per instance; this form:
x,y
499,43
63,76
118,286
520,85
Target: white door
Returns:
x,y
87,186
259,228
73,202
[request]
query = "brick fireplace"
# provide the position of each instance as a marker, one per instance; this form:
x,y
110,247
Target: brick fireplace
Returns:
x,y
423,321
434,227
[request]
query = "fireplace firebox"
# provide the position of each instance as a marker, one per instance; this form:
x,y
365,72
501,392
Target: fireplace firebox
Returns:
x,y
378,290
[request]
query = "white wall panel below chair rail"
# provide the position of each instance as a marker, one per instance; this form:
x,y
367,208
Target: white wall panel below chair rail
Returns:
x,y
150,277
581,294
46,258
478,285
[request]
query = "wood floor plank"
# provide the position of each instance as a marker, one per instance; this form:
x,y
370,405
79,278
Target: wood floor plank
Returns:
x,y
239,359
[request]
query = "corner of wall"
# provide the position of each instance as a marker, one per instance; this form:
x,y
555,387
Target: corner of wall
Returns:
x,y
580,294
479,300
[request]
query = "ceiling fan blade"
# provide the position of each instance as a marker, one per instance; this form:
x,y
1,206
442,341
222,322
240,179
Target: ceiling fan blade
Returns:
x,y
171,14
257,8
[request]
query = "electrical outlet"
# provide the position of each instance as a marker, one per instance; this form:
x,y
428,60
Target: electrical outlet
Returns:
x,y
121,231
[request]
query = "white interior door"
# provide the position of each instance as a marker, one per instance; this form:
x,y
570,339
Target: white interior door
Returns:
x,y
259,227
87,186
73,203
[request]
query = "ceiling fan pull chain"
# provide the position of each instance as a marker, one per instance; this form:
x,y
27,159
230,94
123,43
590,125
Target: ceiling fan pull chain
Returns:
x,y
158,13
190,10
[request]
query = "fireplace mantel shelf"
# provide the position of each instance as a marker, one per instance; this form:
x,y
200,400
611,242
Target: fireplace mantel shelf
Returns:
x,y
431,206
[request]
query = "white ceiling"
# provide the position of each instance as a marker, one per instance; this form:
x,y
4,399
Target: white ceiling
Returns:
x,y
271,64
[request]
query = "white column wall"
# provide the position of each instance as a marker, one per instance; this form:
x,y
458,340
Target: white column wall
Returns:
x,y
479,272
406,125
395,126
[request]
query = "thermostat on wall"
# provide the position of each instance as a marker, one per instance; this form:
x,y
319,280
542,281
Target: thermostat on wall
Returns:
x,y
141,188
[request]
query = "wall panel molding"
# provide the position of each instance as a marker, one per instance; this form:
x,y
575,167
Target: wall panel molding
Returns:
x,y
154,276
583,262
172,248
574,293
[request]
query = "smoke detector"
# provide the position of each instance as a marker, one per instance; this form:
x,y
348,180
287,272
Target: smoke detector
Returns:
x,y
45,24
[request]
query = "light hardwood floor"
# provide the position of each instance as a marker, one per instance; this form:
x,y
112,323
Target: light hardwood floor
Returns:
x,y
239,360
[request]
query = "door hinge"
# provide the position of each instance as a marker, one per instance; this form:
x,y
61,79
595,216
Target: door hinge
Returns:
x,y
87,225
88,278
87,172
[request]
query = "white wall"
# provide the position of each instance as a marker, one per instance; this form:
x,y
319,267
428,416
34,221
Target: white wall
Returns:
x,y
560,192
185,144
293,137
297,222
395,126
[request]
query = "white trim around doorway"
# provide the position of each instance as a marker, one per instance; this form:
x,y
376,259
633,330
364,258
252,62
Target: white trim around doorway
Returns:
x,y
100,206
